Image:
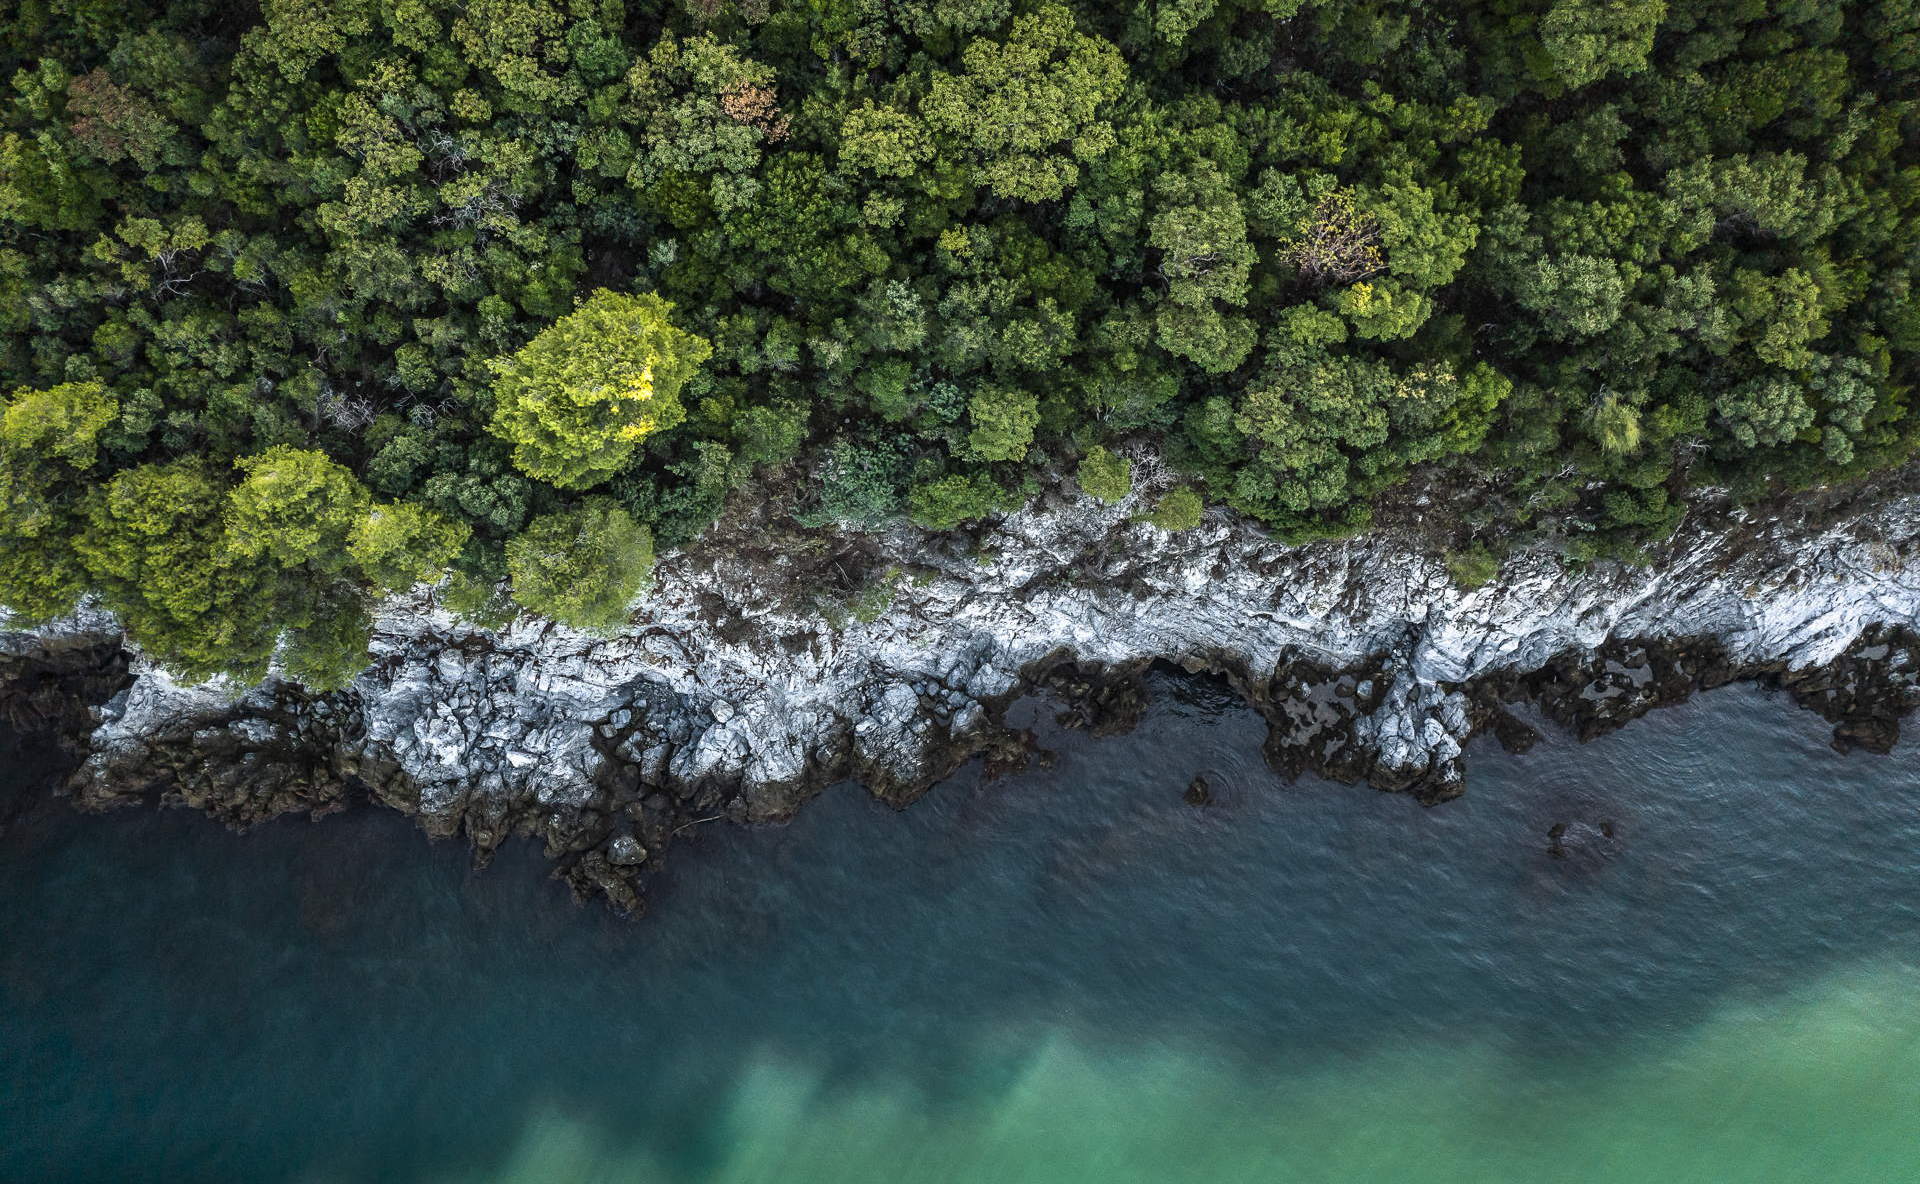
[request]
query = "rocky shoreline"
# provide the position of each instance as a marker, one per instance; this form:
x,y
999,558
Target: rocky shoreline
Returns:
x,y
740,690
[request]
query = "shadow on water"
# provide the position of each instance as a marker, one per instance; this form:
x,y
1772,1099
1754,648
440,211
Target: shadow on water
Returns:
x,y
177,1002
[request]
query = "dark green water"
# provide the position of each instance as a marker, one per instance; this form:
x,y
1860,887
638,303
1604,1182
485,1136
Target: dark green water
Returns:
x,y
1063,976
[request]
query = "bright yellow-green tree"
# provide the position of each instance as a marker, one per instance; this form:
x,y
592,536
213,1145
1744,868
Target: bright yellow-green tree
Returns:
x,y
581,396
155,549
402,544
48,441
295,506
62,422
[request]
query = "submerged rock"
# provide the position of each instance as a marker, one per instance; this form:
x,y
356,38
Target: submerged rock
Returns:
x,y
1583,845
1199,793
1367,662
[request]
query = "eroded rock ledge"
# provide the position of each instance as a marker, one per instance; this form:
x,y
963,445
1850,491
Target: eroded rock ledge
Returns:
x,y
730,697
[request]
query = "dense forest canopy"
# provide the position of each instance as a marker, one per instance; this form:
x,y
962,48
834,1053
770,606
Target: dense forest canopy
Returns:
x,y
304,300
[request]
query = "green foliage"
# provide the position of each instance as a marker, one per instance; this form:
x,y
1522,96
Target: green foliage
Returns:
x,y
1383,311
1766,411
479,600
1178,509
579,398
1614,425
402,544
701,109
1025,113
1589,39
327,651
859,485
1003,420
1473,567
154,546
1574,296
583,566
61,423
294,507
1201,233
772,434
40,578
1104,475
885,140
1582,257
957,498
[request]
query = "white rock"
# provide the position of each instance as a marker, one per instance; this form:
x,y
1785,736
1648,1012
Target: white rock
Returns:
x,y
521,722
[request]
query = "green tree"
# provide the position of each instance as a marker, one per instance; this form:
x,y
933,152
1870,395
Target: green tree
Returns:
x,y
329,649
1765,411
1768,193
60,423
946,502
48,440
1781,315
1573,295
41,577
523,45
294,507
771,435
1425,246
1589,39
1025,112
1383,309
1201,234
154,544
932,20
1847,392
703,110
583,566
1614,424
858,485
884,140
398,545
1003,419
578,399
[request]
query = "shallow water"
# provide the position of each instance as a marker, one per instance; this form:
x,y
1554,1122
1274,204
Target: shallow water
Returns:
x,y
1065,975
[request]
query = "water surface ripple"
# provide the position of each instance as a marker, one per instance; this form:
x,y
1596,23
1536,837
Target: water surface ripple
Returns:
x,y
1069,974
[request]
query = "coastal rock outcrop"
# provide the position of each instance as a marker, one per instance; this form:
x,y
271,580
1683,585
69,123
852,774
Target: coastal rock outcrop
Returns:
x,y
734,695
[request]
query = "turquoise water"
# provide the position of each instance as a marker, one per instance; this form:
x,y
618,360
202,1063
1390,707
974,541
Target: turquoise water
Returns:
x,y
1062,976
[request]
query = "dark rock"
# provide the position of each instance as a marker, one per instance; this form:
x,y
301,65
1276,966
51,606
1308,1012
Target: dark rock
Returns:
x,y
1865,692
1514,735
282,750
1583,845
1106,701
53,692
1874,735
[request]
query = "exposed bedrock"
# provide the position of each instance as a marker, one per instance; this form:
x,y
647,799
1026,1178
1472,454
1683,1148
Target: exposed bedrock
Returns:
x,y
732,697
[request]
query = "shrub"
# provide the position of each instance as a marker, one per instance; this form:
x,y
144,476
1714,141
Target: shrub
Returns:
x,y
1106,476
1178,509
